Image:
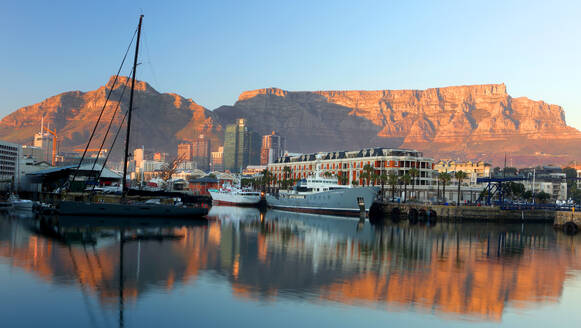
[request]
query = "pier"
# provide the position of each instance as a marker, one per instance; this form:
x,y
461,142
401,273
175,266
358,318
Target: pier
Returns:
x,y
432,213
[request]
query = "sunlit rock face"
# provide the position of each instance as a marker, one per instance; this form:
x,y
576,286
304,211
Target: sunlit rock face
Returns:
x,y
476,122
472,122
160,120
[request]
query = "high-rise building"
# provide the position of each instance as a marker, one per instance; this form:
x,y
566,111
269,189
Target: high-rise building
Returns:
x,y
185,151
138,157
273,147
218,159
160,157
9,160
201,152
44,141
241,147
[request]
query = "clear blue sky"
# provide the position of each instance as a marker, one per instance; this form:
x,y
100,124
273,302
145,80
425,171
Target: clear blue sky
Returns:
x,y
211,51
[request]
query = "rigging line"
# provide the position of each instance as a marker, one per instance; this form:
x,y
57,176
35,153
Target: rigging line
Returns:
x,y
102,110
112,144
106,133
149,60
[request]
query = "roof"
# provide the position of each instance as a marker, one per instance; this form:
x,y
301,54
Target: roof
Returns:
x,y
107,173
205,179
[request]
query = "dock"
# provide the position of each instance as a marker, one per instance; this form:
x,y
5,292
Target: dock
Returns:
x,y
433,212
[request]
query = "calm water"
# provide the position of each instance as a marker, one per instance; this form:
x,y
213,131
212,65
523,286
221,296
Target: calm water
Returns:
x,y
285,270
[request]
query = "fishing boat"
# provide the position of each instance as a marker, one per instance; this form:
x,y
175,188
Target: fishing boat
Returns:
x,y
126,207
324,195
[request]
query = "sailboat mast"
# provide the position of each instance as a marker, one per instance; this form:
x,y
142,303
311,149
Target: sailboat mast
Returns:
x,y
125,188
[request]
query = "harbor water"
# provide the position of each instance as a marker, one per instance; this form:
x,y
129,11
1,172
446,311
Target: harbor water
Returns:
x,y
249,268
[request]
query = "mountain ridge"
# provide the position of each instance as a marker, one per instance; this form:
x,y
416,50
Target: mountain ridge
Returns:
x,y
473,122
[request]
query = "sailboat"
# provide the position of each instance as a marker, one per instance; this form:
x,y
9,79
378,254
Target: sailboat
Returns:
x,y
125,208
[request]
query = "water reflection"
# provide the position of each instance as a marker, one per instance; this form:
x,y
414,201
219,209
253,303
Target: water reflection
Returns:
x,y
458,271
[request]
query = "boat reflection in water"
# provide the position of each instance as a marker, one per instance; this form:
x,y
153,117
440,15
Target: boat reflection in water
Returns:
x,y
467,271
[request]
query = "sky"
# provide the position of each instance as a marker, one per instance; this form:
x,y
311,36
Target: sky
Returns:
x,y
211,51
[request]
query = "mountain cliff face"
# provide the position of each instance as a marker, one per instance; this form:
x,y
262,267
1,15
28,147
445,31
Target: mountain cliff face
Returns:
x,y
478,122
160,120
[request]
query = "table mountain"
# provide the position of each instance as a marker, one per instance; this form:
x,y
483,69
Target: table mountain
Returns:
x,y
160,120
478,122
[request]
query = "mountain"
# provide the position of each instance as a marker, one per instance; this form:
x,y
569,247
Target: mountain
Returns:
x,y
475,122
160,120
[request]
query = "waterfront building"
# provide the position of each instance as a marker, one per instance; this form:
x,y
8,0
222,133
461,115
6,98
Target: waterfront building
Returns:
x,y
548,179
253,169
185,151
218,159
348,165
9,168
273,147
241,147
473,170
201,152
201,186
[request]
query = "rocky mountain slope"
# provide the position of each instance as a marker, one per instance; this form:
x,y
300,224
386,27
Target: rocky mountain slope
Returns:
x,y
160,120
477,122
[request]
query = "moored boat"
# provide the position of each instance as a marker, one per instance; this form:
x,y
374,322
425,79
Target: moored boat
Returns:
x,y
323,195
236,197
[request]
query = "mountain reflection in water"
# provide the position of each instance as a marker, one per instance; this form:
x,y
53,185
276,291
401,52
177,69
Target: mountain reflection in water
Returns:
x,y
473,271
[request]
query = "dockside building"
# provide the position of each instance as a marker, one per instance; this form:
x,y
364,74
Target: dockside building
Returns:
x,y
351,164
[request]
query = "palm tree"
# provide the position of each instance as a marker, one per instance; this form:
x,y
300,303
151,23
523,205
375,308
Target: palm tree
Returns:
x,y
355,182
414,173
286,171
383,180
365,177
368,172
392,181
444,177
405,179
327,174
374,177
343,179
460,175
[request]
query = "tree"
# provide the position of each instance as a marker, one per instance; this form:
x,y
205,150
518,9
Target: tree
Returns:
x,y
327,174
405,179
169,169
444,177
392,181
571,175
286,172
383,180
414,173
542,197
266,179
355,182
460,176
368,172
343,179
364,176
374,177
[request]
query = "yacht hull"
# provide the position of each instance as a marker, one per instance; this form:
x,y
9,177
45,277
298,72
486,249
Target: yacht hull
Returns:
x,y
128,210
225,198
333,202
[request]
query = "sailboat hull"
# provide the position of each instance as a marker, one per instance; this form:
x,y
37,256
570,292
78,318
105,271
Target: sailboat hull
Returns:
x,y
129,210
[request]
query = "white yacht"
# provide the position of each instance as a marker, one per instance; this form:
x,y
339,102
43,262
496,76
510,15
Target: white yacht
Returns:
x,y
236,196
324,195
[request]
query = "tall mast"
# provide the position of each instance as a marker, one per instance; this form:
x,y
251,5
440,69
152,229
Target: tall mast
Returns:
x,y
130,109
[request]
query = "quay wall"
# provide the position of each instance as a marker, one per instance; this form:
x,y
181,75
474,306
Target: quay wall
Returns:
x,y
473,213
